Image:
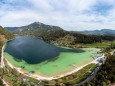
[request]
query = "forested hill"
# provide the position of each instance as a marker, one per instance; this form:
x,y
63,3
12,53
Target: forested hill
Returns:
x,y
34,26
5,34
11,29
56,34
39,30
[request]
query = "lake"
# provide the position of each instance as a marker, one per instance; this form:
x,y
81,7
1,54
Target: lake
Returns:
x,y
33,50
46,59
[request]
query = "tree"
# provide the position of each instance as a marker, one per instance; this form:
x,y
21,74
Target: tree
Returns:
x,y
1,83
108,82
103,84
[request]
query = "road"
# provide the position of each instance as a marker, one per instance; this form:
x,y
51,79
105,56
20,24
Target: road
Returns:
x,y
2,57
4,82
93,74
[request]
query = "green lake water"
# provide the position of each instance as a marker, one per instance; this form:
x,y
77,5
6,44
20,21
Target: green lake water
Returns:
x,y
62,63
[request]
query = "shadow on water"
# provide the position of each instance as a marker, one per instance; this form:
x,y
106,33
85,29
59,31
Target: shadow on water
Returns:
x,y
65,50
78,50
51,60
18,60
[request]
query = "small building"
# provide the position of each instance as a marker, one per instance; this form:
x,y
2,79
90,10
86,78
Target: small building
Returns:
x,y
101,60
24,80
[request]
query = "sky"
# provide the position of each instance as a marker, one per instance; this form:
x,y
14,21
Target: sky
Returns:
x,y
72,15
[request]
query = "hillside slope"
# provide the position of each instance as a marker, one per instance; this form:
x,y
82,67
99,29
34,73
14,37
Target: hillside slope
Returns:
x,y
57,35
40,30
54,33
5,35
11,29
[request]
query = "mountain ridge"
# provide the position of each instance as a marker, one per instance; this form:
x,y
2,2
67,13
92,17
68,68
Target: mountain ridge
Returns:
x,y
39,25
40,30
110,32
55,34
34,25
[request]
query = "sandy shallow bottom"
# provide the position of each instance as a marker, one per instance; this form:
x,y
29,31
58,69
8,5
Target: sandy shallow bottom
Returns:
x,y
65,62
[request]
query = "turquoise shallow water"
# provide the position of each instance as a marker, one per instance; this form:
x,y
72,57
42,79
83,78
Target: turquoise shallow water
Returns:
x,y
62,63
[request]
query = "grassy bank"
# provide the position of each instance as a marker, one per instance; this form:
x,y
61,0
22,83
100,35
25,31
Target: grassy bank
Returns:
x,y
14,78
73,78
101,45
104,44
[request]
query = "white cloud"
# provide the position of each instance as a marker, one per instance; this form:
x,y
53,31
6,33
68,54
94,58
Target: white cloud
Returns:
x,y
68,14
41,5
20,18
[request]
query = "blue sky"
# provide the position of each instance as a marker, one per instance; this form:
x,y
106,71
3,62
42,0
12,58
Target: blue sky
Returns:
x,y
73,15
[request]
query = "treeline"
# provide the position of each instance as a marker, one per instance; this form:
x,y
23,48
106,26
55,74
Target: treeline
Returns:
x,y
88,39
81,38
51,33
45,34
63,37
107,37
74,39
106,75
56,34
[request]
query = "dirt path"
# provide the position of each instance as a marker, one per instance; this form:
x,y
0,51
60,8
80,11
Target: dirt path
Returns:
x,y
2,57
